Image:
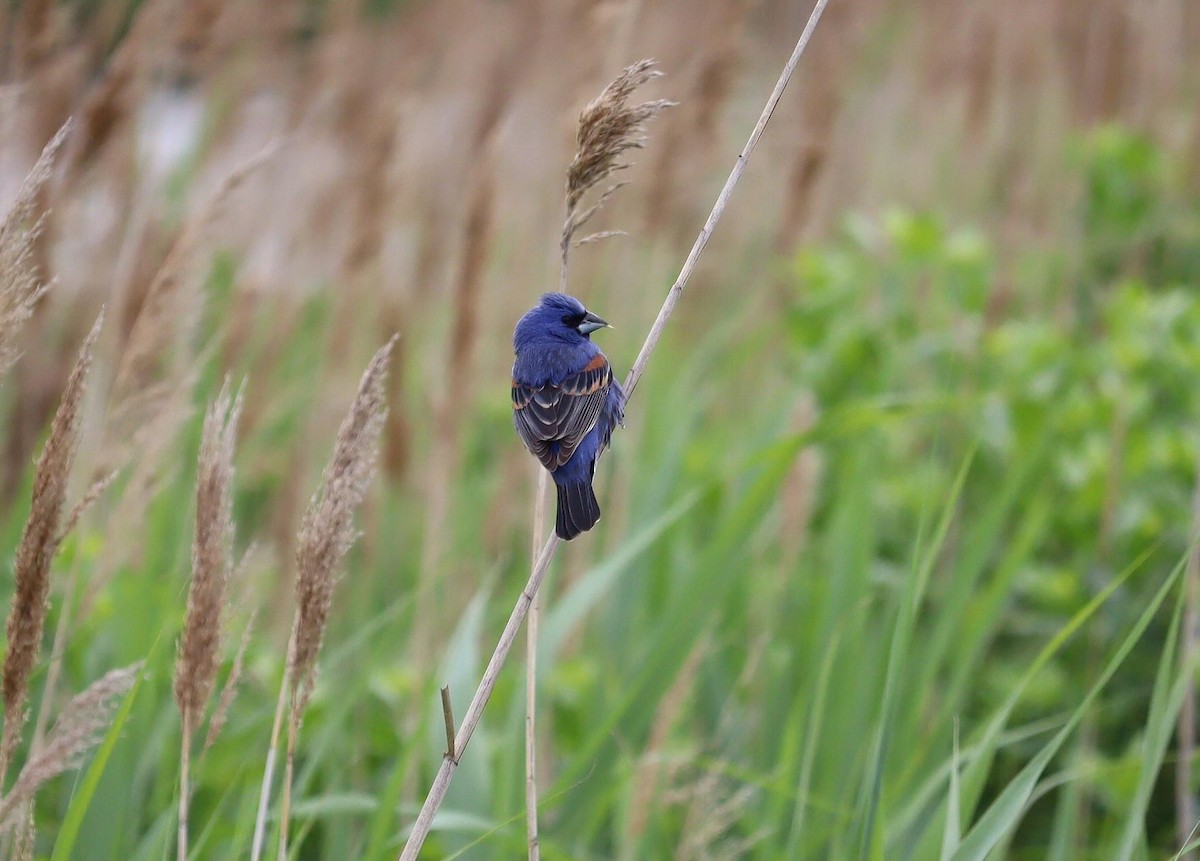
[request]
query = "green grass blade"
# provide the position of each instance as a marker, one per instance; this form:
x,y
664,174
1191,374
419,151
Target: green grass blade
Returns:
x,y
897,659
64,844
1170,683
567,612
1006,811
812,738
952,833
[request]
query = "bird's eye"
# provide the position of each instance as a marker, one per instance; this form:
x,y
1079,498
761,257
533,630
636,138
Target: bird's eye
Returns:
x,y
572,320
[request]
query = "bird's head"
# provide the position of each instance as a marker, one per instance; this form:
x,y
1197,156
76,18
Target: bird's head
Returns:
x,y
557,316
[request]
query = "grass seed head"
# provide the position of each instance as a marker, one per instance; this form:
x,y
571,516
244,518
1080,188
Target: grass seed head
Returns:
x,y
327,529
212,556
31,570
20,286
608,127
86,717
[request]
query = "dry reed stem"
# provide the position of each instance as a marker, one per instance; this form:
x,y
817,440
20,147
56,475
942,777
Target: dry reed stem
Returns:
x,y
531,643
608,128
26,838
441,783
212,561
31,569
326,534
79,728
20,287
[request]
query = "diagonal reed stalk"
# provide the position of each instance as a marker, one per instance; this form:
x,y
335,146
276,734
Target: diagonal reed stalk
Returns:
x,y
531,641
441,783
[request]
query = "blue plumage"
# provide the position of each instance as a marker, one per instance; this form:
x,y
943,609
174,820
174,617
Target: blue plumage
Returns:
x,y
566,402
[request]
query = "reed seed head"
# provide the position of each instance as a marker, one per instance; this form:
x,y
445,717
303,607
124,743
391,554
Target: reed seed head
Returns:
x,y
327,529
608,127
20,287
31,570
212,557
86,717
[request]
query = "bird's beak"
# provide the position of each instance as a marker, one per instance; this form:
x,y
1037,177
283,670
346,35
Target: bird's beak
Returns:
x,y
590,324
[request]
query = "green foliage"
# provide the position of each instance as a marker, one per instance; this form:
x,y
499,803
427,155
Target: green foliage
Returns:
x,y
961,651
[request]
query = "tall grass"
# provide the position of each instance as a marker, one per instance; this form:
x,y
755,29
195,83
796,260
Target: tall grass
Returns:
x,y
891,565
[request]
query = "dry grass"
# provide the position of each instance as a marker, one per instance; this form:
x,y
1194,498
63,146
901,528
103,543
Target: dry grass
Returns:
x,y
608,128
31,569
327,530
326,534
212,557
403,192
79,728
212,561
20,284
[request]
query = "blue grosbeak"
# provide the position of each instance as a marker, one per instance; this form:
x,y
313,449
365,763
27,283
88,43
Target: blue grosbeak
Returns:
x,y
565,402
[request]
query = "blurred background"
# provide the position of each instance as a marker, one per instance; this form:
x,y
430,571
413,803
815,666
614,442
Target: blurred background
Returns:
x,y
931,389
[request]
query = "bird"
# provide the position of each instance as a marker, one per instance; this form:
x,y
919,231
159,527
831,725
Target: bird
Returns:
x,y
566,402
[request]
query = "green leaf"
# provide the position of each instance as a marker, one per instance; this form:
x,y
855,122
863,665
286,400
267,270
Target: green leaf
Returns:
x,y
64,844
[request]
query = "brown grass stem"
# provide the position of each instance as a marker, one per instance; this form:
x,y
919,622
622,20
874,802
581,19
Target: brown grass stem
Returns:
x,y
289,767
185,765
441,783
531,645
437,792
448,720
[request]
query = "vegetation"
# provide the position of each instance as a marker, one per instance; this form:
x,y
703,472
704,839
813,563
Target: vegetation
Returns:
x,y
898,558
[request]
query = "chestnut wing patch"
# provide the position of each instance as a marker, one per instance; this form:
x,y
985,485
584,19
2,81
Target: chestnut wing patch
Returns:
x,y
553,420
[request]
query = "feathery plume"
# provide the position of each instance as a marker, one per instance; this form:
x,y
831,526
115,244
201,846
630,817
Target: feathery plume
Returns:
x,y
77,731
327,529
212,560
20,287
608,127
31,570
212,556
326,534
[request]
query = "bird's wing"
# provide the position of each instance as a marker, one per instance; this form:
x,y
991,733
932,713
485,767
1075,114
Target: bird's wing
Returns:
x,y
561,414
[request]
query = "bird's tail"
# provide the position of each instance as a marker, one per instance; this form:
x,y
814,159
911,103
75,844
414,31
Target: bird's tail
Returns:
x,y
578,509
